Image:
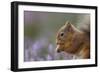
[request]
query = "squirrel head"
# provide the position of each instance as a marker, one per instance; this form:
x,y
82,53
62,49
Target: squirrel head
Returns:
x,y
64,38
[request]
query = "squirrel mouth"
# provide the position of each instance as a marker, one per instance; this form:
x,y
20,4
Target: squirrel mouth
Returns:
x,y
59,47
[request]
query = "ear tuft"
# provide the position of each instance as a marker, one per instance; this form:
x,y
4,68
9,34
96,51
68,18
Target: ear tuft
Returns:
x,y
67,22
69,26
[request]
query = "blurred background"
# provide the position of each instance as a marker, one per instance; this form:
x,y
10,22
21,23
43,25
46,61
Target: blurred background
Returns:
x,y
40,29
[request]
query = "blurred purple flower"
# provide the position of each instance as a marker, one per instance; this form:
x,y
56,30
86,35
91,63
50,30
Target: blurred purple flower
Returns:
x,y
42,50
48,57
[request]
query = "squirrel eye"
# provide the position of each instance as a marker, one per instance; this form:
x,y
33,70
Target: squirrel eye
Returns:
x,y
62,34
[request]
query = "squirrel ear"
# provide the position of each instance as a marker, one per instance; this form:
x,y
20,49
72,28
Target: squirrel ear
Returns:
x,y
69,26
67,22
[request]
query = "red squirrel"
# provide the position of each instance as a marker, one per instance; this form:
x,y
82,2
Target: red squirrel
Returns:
x,y
71,40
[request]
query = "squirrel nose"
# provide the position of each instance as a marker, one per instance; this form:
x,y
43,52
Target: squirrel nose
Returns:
x,y
58,50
